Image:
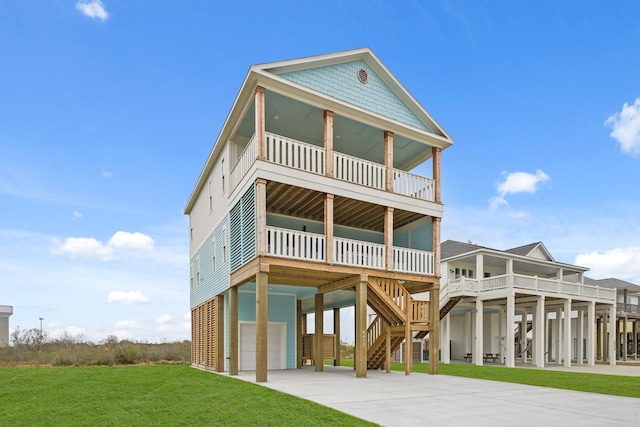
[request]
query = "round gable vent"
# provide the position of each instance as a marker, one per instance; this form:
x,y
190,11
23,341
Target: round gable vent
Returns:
x,y
363,76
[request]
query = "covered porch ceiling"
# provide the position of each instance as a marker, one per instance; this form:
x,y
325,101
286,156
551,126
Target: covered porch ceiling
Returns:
x,y
304,122
521,265
308,204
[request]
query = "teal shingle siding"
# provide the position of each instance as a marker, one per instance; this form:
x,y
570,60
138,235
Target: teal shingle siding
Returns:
x,y
341,81
211,282
421,237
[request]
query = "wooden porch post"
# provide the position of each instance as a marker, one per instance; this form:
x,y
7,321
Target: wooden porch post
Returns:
x,y
435,153
219,333
299,333
336,332
260,122
319,333
434,333
612,335
435,247
361,330
591,314
408,337
388,160
328,142
388,237
233,330
328,227
387,341
599,338
261,208
262,325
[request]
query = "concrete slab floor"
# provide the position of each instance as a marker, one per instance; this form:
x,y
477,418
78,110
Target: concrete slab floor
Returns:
x,y
396,399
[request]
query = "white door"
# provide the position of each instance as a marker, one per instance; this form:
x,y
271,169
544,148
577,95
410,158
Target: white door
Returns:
x,y
276,349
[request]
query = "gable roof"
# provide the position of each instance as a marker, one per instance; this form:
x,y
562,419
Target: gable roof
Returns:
x,y
534,250
614,283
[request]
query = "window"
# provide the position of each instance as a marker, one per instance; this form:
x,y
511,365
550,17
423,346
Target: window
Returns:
x,y
198,273
487,275
470,274
213,258
224,187
224,245
457,273
191,274
210,198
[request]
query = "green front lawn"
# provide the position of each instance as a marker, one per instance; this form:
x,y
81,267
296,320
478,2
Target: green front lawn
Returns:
x,y
150,395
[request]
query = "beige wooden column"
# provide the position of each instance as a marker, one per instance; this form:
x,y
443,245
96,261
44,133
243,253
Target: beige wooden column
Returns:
x,y
336,332
435,152
233,330
566,335
591,314
540,318
328,227
434,333
319,333
299,333
612,335
262,325
388,237
625,332
387,342
220,333
478,343
435,246
261,208
509,360
388,160
260,122
408,338
599,352
361,330
328,142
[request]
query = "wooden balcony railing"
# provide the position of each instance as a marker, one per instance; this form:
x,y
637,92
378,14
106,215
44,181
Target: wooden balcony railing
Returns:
x,y
311,158
358,253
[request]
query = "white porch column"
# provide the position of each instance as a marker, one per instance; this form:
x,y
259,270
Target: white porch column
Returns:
x,y
479,266
558,337
478,350
580,333
539,332
612,335
509,336
523,336
591,318
445,338
567,333
468,331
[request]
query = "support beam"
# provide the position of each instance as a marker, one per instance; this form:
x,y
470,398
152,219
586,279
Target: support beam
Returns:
x,y
435,245
591,314
262,326
387,343
558,330
261,216
445,342
233,331
511,309
319,333
388,160
612,335
523,336
539,332
349,282
328,227
260,122
478,348
580,337
434,334
408,340
361,330
328,142
336,332
299,332
388,237
435,152
599,352
624,342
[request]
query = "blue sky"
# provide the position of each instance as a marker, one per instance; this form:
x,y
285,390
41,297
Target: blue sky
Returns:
x,y
108,110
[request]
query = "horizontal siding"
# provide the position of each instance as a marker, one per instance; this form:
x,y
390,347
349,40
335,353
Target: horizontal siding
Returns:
x,y
211,282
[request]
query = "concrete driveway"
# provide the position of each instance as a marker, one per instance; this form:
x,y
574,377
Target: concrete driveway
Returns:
x,y
396,399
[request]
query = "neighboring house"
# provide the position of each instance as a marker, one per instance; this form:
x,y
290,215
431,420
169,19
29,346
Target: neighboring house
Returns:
x,y
5,312
307,203
627,317
499,305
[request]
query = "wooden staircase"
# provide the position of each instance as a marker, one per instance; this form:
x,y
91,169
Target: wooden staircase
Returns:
x,y
446,305
395,309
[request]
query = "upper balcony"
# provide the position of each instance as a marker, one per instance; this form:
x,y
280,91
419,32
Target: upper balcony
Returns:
x,y
311,158
521,283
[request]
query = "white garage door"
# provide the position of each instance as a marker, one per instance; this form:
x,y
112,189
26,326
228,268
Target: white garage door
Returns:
x,y
276,349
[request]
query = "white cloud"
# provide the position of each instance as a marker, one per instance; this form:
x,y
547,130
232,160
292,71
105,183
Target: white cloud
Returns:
x,y
621,263
77,215
93,9
517,182
133,241
165,318
626,128
83,247
128,324
88,247
106,174
133,297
